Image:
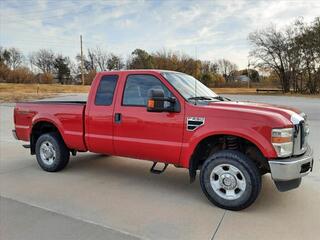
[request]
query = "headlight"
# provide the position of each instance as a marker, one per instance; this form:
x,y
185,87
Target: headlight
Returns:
x,y
282,141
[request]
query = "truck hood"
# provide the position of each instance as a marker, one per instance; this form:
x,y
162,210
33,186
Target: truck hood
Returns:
x,y
273,111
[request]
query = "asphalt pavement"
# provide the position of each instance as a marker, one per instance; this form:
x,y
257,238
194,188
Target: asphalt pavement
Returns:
x,y
106,197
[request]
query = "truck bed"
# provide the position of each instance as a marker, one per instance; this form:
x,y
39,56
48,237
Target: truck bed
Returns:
x,y
67,116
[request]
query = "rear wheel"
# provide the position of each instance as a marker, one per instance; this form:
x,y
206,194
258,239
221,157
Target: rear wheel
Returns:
x,y
230,180
51,152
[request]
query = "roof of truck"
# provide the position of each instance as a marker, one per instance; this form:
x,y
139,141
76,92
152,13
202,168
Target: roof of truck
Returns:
x,y
138,71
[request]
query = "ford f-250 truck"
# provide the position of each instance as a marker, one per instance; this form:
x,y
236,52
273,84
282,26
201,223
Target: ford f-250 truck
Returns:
x,y
172,118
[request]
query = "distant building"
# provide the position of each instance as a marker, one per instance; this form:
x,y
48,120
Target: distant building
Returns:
x,y
241,78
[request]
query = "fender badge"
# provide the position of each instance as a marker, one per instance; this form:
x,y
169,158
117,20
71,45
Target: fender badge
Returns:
x,y
194,122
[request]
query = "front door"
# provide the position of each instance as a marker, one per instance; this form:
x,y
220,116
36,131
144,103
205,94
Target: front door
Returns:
x,y
155,136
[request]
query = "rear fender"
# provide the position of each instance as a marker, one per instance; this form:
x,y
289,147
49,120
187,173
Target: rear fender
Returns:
x,y
47,119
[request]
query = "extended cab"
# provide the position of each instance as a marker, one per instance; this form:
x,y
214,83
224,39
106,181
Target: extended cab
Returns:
x,y
172,118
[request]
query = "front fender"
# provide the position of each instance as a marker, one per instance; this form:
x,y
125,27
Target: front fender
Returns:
x,y
258,138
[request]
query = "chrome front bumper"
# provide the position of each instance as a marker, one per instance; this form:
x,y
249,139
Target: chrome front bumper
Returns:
x,y
293,167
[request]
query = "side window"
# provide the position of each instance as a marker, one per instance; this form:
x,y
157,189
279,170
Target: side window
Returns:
x,y
137,87
105,91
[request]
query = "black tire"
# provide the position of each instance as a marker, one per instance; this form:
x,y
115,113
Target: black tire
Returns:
x,y
61,153
248,171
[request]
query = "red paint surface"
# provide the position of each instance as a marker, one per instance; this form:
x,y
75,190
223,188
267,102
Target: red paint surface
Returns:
x,y
148,135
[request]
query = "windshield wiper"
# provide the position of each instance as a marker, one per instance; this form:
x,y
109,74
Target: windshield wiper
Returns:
x,y
200,98
222,98
207,98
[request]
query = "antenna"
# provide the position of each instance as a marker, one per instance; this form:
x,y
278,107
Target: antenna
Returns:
x,y
195,80
81,54
195,91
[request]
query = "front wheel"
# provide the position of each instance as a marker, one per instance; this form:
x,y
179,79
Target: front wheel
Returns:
x,y
230,180
51,152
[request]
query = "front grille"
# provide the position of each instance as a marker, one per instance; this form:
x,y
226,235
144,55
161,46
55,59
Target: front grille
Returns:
x,y
302,135
300,139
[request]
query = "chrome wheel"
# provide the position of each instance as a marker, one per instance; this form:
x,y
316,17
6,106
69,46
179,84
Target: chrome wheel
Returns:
x,y
47,153
227,181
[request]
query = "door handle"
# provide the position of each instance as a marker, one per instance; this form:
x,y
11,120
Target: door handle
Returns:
x,y
117,118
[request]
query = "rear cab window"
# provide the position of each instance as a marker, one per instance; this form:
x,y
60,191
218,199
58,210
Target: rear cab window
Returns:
x,y
105,91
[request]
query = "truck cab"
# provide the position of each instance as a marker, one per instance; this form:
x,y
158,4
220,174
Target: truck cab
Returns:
x,y
172,118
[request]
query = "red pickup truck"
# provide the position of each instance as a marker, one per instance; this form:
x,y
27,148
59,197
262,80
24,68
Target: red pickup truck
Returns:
x,y
171,118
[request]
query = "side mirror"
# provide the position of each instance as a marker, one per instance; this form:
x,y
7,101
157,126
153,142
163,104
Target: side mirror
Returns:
x,y
156,101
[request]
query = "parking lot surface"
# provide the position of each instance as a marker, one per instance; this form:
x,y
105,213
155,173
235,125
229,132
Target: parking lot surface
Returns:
x,y
106,197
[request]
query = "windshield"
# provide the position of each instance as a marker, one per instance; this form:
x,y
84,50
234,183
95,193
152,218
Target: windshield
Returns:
x,y
188,86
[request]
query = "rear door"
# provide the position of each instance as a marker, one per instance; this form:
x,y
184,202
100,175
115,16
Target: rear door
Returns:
x,y
140,134
99,115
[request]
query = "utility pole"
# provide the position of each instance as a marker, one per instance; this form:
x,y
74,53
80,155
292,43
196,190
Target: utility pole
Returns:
x,y
81,52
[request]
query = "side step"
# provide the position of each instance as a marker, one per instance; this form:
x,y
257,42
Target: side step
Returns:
x,y
156,171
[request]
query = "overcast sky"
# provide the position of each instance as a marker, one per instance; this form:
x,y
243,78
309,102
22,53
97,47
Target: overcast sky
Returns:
x,y
208,30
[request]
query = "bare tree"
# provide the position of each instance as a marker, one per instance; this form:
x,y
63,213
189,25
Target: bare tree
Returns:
x,y
100,58
271,49
4,55
209,67
90,61
307,41
11,57
292,53
16,58
43,59
226,68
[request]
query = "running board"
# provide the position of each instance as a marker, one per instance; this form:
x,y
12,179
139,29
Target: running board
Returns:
x,y
26,145
156,171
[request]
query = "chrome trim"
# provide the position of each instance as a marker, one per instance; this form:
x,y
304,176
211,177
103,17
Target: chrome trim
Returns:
x,y
305,116
288,169
301,133
296,118
194,122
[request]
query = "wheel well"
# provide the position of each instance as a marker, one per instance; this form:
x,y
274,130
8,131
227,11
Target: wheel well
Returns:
x,y
216,143
39,129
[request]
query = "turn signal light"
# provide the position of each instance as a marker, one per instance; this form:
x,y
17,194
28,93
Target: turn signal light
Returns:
x,y
150,103
281,139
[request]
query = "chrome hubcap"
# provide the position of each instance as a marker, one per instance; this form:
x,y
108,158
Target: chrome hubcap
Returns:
x,y
47,153
227,181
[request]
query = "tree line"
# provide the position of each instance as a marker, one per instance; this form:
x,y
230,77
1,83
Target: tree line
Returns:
x,y
44,66
289,57
292,54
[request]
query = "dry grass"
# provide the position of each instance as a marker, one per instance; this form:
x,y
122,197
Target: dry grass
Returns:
x,y
234,90
10,92
252,91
